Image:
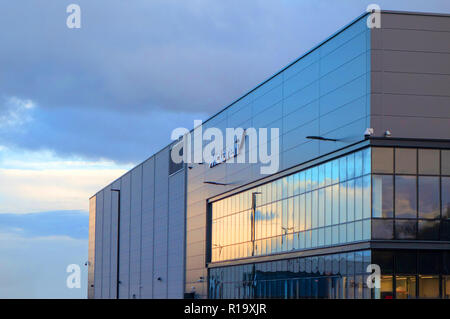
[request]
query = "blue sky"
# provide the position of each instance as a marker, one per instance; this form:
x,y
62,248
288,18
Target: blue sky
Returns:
x,y
80,107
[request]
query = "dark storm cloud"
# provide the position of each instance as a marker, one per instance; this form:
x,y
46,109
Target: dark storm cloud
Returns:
x,y
139,55
104,89
95,133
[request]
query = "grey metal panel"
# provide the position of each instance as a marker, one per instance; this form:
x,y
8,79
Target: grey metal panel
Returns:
x,y
415,21
148,189
135,231
152,233
106,250
415,62
114,228
416,40
416,84
161,224
405,105
410,80
241,175
98,275
124,249
91,249
176,241
431,128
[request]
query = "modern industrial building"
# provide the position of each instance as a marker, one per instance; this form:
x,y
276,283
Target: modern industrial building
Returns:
x,y
364,178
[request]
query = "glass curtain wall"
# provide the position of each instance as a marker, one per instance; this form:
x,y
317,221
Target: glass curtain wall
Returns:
x,y
411,194
413,274
325,205
404,275
333,276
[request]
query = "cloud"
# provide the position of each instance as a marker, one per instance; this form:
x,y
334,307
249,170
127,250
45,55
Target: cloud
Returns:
x,y
73,224
176,55
115,88
97,134
38,190
14,112
42,181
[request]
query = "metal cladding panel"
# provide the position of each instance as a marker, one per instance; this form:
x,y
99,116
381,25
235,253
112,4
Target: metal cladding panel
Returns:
x,y
124,238
148,192
176,240
106,257
135,231
151,233
160,244
114,227
91,252
98,275
410,78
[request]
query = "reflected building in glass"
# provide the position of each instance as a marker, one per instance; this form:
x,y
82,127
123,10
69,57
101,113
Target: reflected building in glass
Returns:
x,y
375,198
363,179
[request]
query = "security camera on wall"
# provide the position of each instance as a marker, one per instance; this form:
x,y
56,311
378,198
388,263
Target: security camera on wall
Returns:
x,y
368,132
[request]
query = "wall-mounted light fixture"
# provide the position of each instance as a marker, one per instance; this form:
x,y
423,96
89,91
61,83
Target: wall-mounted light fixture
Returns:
x,y
321,138
201,279
216,183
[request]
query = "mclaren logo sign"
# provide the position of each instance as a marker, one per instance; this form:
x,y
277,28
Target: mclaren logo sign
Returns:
x,y
229,152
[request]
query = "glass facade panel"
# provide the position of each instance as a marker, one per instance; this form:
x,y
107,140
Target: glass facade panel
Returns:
x,y
429,162
405,161
297,211
446,287
417,273
445,162
445,197
382,229
428,230
422,199
383,196
405,197
386,286
429,197
405,229
405,287
428,286
383,160
335,203
304,277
